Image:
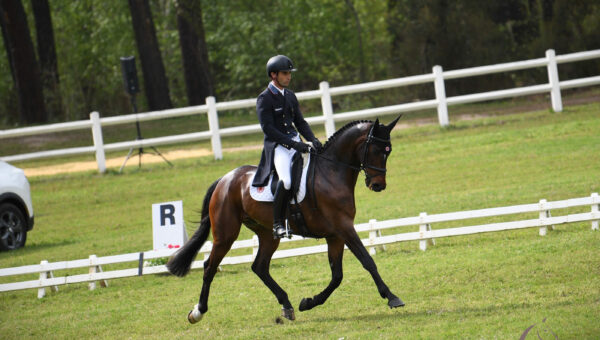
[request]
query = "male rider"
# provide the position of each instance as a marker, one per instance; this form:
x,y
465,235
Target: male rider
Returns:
x,y
281,120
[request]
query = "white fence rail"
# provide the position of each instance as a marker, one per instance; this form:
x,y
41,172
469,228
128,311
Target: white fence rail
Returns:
x,y
441,103
425,236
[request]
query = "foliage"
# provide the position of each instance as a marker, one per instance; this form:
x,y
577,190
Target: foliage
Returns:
x,y
491,285
400,38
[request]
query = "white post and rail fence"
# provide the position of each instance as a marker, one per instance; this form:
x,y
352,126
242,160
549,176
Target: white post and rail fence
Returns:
x,y
584,209
211,108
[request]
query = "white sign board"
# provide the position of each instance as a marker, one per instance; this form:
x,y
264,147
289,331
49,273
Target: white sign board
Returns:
x,y
168,228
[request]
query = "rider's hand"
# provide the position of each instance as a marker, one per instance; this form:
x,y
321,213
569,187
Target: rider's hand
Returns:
x,y
317,145
300,147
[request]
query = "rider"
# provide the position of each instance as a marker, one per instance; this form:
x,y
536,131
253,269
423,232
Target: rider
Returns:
x,y
281,120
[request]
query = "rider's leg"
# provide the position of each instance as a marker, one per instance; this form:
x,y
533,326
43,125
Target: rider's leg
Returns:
x,y
279,204
283,161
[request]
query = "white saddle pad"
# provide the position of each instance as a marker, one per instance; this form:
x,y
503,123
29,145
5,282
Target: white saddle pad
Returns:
x,y
263,194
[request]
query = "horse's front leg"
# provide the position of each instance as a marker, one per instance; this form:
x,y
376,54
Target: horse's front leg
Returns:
x,y
335,252
266,248
358,249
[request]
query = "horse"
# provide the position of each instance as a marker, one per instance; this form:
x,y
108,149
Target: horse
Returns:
x,y
328,210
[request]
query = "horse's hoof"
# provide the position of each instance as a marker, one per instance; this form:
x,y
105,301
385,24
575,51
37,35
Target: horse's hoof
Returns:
x,y
395,302
195,315
305,304
288,313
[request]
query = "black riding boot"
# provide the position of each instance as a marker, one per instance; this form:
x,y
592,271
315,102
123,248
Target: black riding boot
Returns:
x,y
280,202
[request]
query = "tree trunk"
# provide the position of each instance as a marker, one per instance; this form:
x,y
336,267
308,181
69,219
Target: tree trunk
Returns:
x,y
194,52
361,54
24,66
153,69
47,56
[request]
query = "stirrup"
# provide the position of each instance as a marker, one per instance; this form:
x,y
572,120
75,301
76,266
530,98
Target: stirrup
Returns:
x,y
281,231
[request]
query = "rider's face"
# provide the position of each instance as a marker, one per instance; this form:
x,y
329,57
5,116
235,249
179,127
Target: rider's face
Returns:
x,y
283,78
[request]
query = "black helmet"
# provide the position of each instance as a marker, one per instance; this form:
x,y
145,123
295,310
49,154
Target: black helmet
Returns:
x,y
279,63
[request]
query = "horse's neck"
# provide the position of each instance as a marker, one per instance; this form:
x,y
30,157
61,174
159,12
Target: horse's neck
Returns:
x,y
344,149
345,160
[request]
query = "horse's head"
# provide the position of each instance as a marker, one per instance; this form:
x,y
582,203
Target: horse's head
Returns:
x,y
375,152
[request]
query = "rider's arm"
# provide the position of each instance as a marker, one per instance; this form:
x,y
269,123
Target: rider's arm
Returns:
x,y
300,123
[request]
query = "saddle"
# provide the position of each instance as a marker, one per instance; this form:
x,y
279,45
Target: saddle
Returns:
x,y
299,174
298,191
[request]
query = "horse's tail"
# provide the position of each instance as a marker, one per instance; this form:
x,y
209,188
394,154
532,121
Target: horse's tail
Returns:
x,y
180,263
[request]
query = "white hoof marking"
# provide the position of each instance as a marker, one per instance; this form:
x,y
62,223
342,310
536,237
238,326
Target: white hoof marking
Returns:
x,y
195,315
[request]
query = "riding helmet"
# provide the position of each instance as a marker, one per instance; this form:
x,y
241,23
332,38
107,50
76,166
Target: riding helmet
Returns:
x,y
279,63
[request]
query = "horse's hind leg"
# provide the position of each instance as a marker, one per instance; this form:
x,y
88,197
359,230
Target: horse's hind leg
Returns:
x,y
224,235
358,249
266,248
335,252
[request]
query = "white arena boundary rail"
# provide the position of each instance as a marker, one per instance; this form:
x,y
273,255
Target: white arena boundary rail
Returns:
x,y
437,77
425,236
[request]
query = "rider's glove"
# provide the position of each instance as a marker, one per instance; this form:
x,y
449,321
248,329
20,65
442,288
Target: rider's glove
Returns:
x,y
317,145
300,147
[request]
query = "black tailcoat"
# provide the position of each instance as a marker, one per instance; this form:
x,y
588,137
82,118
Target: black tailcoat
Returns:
x,y
278,115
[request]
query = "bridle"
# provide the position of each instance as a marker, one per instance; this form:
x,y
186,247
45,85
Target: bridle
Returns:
x,y
363,163
371,139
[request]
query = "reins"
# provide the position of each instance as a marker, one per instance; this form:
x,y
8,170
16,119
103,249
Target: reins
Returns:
x,y
363,164
355,168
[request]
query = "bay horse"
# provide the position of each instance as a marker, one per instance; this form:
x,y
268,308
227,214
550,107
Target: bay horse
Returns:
x,y
328,208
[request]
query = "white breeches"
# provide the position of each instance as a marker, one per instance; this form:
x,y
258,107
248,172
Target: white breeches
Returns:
x,y
283,163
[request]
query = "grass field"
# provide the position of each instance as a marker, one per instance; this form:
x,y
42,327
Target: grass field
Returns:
x,y
482,286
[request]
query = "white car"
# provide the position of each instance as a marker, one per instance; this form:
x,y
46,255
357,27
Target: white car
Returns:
x,y
16,209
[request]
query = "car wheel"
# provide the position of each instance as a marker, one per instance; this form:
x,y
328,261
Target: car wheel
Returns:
x,y
13,227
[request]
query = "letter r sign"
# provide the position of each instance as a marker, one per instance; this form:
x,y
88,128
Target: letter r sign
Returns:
x,y
167,211
168,228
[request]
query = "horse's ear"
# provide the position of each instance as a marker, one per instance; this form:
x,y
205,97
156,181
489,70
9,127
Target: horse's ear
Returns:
x,y
376,124
393,123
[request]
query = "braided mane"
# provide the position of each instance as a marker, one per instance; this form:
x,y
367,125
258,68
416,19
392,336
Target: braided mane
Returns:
x,y
340,131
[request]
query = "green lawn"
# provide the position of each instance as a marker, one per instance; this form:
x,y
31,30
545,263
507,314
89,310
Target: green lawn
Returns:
x,y
488,286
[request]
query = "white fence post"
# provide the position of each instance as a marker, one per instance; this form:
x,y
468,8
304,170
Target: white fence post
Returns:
x,y
327,108
554,82
98,141
95,268
440,95
254,246
43,276
544,214
595,209
372,236
213,125
423,228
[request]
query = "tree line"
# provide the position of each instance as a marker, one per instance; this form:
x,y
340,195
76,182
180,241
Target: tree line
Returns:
x,y
60,59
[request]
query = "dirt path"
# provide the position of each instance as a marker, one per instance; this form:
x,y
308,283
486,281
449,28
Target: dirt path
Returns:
x,y
117,162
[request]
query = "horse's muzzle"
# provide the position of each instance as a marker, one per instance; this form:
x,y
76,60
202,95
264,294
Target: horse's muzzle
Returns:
x,y
375,186
378,187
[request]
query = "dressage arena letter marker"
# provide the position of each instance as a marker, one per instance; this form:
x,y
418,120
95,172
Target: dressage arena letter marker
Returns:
x,y
167,211
168,228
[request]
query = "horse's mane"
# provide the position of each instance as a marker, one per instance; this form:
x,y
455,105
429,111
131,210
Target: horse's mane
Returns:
x,y
343,129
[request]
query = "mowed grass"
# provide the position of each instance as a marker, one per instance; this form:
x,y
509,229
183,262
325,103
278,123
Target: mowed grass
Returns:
x,y
490,286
